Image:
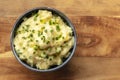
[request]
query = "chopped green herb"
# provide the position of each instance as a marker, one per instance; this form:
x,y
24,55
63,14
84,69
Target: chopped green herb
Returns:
x,y
41,20
27,25
31,40
43,28
18,32
47,42
66,45
50,22
36,40
33,52
58,28
46,31
26,30
56,38
31,35
23,27
36,23
51,31
23,37
62,37
53,38
43,38
59,36
39,33
53,22
36,47
30,30
33,31
23,47
35,18
70,34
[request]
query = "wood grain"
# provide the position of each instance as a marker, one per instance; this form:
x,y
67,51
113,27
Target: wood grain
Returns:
x,y
96,36
71,7
79,68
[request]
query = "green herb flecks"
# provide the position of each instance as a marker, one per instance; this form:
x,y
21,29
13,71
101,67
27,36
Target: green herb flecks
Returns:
x,y
58,28
36,47
33,31
46,31
51,31
58,37
31,35
27,25
50,22
23,37
43,38
70,34
43,55
43,28
36,40
35,17
40,33
23,47
41,20
62,37
47,42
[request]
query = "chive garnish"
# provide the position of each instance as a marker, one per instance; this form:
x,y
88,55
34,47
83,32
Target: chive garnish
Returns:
x,y
53,38
33,31
36,40
58,28
47,42
43,28
43,38
50,22
36,15
56,38
23,47
70,34
27,25
41,20
31,35
51,31
36,47
46,31
40,33
24,37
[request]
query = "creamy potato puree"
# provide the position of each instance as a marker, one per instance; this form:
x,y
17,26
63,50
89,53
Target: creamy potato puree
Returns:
x,y
43,40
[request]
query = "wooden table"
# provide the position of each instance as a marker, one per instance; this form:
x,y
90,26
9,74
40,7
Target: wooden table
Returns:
x,y
97,56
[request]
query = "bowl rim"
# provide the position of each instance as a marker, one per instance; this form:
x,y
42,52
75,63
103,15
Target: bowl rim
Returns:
x,y
59,13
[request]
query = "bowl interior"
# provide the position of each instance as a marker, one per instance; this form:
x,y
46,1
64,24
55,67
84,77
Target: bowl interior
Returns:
x,y
29,14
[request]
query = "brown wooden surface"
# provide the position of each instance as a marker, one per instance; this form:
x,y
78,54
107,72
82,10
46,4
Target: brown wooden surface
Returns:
x,y
98,36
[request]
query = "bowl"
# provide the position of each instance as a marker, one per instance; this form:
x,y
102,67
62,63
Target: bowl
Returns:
x,y
28,14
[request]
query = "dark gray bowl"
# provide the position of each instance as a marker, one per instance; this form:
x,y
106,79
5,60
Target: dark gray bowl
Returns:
x,y
28,14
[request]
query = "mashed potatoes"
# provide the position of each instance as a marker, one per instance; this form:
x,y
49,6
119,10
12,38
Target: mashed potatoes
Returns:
x,y
43,40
